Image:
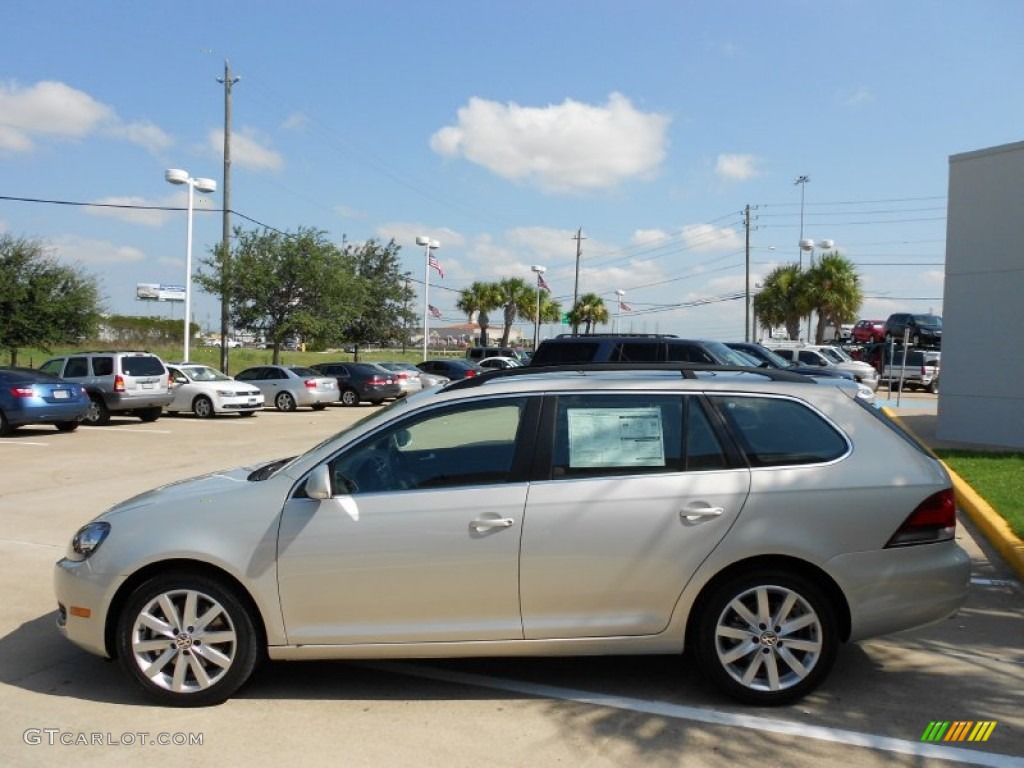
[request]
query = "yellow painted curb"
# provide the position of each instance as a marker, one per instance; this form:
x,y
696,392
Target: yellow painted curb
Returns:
x,y
995,528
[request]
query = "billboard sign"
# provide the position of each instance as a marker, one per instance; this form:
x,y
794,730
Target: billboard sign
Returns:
x,y
158,292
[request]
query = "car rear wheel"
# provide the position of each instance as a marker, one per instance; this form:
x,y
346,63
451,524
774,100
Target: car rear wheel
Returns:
x,y
202,407
98,413
318,406
186,640
350,397
767,638
284,402
66,426
5,425
150,414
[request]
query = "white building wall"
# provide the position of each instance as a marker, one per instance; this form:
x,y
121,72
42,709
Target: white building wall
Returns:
x,y
982,391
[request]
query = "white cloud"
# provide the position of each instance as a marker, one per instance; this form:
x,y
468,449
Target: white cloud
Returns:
x,y
249,149
704,237
146,218
736,167
648,236
862,95
54,109
348,212
296,121
145,134
405,233
72,249
564,148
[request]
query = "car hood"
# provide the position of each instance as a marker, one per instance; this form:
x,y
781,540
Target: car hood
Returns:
x,y
180,491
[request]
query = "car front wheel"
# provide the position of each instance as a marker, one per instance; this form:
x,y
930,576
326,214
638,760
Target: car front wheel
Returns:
x,y
186,640
767,638
202,407
98,413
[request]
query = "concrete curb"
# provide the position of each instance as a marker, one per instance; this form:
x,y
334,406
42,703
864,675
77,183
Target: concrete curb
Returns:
x,y
995,528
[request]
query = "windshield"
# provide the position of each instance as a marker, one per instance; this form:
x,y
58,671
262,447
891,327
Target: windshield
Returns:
x,y
204,373
725,355
836,355
928,320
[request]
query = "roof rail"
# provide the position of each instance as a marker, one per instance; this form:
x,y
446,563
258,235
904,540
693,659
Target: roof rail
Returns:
x,y
686,371
616,336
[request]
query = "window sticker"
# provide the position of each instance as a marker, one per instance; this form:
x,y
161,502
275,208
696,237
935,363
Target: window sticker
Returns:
x,y
616,437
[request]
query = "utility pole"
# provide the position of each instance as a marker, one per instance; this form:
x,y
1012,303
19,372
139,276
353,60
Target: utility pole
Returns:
x,y
579,238
746,296
225,243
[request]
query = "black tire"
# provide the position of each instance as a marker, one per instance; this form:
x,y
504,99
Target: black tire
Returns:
x,y
783,664
202,407
98,413
933,387
318,406
66,426
5,426
349,397
284,401
180,650
247,413
149,414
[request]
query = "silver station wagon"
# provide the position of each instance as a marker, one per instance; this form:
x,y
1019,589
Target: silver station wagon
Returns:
x,y
745,515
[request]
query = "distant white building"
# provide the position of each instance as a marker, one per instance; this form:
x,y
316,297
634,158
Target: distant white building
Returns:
x,y
982,394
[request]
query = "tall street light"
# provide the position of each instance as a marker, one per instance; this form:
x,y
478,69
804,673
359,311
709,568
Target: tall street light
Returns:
x,y
178,176
428,246
810,245
619,293
801,181
536,318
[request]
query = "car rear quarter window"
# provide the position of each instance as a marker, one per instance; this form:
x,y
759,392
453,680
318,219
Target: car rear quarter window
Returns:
x,y
778,432
135,365
637,352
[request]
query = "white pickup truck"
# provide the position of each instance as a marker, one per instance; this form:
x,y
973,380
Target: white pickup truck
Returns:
x,y
913,369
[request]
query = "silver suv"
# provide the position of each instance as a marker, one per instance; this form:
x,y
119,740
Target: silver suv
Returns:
x,y
573,510
126,383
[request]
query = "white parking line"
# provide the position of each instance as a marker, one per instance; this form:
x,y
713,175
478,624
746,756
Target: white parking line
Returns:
x,y
711,717
20,442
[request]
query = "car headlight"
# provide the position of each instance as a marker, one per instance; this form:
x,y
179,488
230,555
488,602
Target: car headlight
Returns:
x,y
87,540
226,392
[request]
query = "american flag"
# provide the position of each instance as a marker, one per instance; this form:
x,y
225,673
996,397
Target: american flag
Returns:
x,y
432,263
625,307
434,310
541,284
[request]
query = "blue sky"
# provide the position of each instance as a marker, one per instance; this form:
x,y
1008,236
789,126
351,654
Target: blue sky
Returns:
x,y
501,129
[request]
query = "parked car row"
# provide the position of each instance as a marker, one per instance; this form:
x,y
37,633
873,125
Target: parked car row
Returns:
x,y
917,329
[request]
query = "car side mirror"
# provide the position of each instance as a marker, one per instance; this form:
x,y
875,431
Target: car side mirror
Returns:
x,y
318,484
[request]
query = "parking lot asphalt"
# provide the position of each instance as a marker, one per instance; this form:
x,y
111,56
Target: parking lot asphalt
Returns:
x,y
60,704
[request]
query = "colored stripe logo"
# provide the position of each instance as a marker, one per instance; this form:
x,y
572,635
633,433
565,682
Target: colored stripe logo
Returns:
x,y
958,730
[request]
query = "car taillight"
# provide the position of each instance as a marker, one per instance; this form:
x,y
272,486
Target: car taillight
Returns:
x,y
310,383
119,383
470,373
401,376
22,391
933,520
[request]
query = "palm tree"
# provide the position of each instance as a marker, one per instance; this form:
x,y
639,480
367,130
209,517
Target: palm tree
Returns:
x,y
517,299
782,300
480,298
833,289
589,311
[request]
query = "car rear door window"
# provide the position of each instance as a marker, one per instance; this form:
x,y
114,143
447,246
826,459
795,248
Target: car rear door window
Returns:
x,y
631,433
775,432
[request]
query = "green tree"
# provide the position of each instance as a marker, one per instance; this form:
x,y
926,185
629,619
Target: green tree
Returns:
x,y
832,287
517,299
588,311
782,299
479,299
286,285
42,302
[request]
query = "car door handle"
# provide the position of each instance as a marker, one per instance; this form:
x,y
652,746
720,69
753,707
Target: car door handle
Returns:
x,y
693,513
496,522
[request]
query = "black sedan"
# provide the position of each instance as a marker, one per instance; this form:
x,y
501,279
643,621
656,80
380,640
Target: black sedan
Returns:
x,y
362,381
453,369
28,396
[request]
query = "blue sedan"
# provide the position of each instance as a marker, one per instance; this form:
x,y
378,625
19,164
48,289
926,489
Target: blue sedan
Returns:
x,y
28,396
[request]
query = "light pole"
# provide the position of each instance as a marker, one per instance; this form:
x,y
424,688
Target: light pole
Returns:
x,y
619,293
810,245
428,246
536,318
178,176
802,182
